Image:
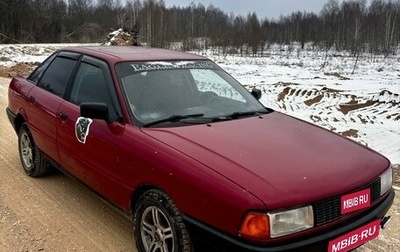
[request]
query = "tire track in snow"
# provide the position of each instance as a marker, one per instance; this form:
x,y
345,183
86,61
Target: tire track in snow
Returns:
x,y
372,119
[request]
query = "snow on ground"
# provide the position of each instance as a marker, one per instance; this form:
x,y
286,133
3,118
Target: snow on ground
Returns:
x,y
306,84
364,106
11,54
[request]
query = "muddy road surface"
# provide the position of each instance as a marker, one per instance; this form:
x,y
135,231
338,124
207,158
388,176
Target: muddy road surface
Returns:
x,y
55,213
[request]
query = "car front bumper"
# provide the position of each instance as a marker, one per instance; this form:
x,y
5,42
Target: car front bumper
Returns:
x,y
208,239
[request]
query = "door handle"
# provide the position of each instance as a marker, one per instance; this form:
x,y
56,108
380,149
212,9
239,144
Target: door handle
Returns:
x,y
31,99
63,116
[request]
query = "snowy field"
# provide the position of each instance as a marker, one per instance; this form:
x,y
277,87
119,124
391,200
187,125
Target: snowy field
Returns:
x,y
306,84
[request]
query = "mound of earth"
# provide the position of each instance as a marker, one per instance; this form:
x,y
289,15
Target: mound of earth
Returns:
x,y
23,69
122,37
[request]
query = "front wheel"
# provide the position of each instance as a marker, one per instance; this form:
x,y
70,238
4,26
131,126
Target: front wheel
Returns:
x,y
158,225
31,158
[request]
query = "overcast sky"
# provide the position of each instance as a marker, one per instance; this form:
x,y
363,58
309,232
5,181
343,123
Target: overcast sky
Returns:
x,y
263,8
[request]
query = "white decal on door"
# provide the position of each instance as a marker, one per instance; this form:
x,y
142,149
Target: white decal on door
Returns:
x,y
82,126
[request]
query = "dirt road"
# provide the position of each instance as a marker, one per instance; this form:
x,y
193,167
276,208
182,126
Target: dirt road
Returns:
x,y
55,213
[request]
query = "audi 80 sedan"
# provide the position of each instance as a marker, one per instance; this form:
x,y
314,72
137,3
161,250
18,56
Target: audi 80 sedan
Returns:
x,y
193,157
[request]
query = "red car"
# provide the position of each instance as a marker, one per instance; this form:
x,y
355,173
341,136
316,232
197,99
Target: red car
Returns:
x,y
193,157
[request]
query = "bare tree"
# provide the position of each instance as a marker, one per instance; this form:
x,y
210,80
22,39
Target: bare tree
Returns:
x,y
350,25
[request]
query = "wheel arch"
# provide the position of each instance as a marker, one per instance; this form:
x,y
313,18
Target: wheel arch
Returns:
x,y
139,191
170,227
18,121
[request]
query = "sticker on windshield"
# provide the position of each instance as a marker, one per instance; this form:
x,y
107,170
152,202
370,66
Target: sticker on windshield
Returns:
x,y
163,65
82,126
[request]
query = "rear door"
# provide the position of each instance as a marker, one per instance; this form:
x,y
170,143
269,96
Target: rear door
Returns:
x,y
88,147
46,98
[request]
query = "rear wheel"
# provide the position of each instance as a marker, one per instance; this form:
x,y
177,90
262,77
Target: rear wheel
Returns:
x,y
159,225
31,158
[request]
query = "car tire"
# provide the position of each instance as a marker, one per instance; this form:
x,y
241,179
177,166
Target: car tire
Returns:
x,y
31,158
158,224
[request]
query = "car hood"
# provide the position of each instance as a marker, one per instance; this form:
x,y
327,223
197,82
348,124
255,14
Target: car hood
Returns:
x,y
281,160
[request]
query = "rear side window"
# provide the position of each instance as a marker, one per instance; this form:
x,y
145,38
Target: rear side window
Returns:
x,y
37,74
57,75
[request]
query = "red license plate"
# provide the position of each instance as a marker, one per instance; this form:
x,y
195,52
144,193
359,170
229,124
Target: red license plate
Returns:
x,y
355,201
355,238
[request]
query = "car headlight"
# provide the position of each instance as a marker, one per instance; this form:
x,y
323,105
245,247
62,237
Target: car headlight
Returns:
x,y
291,221
262,226
386,180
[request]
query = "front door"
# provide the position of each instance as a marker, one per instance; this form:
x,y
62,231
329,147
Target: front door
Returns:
x,y
88,147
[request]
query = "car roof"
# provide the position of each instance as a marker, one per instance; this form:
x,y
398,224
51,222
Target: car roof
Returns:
x,y
133,53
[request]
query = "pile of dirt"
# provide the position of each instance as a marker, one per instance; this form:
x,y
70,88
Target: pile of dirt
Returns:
x,y
350,133
354,105
122,37
22,69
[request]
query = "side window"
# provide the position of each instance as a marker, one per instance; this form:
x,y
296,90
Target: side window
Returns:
x,y
57,75
90,85
37,74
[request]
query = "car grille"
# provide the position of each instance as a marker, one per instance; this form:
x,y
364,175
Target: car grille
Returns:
x,y
329,209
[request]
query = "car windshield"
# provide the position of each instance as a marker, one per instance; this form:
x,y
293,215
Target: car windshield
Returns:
x,y
172,91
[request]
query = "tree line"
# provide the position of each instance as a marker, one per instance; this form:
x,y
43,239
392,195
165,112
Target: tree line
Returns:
x,y
351,25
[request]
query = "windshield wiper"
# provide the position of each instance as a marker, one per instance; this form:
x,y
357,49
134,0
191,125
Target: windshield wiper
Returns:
x,y
236,115
173,118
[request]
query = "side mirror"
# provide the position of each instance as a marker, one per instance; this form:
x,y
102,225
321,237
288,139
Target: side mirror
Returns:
x,y
95,110
256,93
